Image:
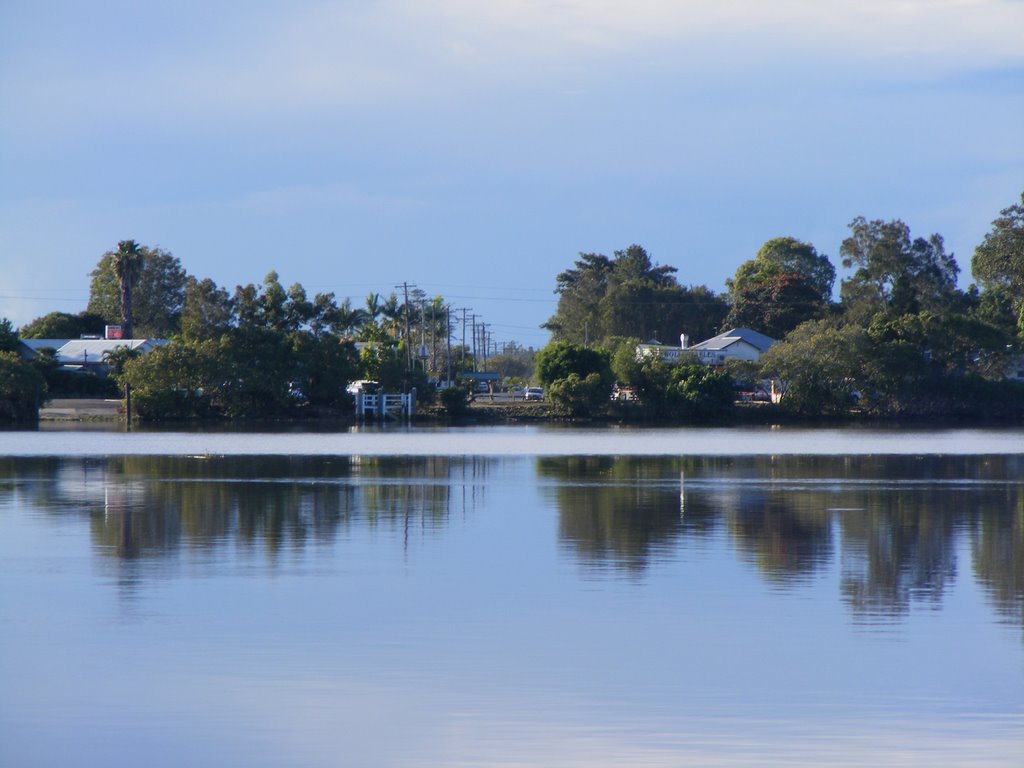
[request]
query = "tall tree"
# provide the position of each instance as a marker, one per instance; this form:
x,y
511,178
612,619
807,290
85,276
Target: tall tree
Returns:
x,y
998,263
207,310
601,299
775,305
158,291
893,272
127,264
788,256
8,336
785,284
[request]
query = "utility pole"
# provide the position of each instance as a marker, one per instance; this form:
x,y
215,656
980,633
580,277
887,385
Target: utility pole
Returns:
x,y
408,341
462,365
448,341
433,340
474,342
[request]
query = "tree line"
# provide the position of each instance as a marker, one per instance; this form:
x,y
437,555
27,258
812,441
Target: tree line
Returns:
x,y
901,340
262,350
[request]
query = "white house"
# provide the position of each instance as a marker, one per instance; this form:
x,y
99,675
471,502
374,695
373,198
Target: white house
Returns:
x,y
734,344
654,348
85,354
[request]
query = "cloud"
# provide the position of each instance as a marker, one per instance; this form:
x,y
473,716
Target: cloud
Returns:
x,y
349,57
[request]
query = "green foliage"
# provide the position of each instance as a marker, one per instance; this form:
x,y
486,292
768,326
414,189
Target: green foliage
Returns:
x,y
324,367
818,367
578,380
455,401
912,364
8,336
62,325
157,295
700,391
787,283
22,388
894,273
789,256
629,295
775,305
178,381
558,360
207,310
577,395
683,390
908,358
383,363
998,263
625,366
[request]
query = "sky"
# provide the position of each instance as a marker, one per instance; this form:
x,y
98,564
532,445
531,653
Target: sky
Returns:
x,y
473,148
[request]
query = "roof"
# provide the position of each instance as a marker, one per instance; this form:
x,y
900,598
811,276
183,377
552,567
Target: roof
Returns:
x,y
93,350
36,344
758,341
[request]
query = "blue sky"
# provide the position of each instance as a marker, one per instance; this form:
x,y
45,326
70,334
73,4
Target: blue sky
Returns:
x,y
475,148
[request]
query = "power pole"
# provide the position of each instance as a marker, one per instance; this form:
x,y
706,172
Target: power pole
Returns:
x,y
474,342
408,341
448,341
462,365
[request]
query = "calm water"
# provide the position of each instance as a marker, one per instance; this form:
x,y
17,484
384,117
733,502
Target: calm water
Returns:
x,y
512,597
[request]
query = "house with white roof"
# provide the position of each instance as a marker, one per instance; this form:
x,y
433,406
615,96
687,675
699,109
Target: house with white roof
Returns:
x,y
85,354
652,348
734,344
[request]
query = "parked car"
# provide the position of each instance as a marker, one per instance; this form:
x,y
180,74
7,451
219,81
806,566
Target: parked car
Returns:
x,y
533,393
363,387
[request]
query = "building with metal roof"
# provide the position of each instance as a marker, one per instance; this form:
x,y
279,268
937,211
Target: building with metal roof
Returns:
x,y
734,344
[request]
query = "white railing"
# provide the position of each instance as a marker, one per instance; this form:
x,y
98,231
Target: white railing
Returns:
x,y
382,407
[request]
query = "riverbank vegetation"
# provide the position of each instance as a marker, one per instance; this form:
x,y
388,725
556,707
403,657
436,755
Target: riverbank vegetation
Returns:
x,y
899,338
903,340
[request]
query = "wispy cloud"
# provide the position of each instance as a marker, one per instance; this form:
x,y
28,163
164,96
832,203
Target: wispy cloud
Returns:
x,y
344,56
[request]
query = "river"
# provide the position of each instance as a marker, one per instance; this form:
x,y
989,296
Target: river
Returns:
x,y
512,596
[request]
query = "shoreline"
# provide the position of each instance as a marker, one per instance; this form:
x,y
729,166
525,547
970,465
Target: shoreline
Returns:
x,y
107,411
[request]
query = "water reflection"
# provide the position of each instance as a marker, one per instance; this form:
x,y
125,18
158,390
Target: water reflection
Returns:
x,y
616,509
892,529
151,507
896,522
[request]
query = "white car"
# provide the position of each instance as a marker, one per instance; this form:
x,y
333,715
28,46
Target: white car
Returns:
x,y
533,393
363,387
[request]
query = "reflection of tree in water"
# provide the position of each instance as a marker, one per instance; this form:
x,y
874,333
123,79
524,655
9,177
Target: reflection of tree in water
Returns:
x,y
899,519
901,548
620,510
786,539
146,506
998,553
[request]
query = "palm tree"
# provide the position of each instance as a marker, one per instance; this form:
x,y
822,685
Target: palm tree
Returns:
x,y
392,312
127,262
349,318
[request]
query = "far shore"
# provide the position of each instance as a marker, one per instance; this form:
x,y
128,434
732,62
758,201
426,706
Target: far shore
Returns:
x,y
69,412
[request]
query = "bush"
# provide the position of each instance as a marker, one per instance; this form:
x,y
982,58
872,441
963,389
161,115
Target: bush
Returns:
x,y
455,401
22,389
578,395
